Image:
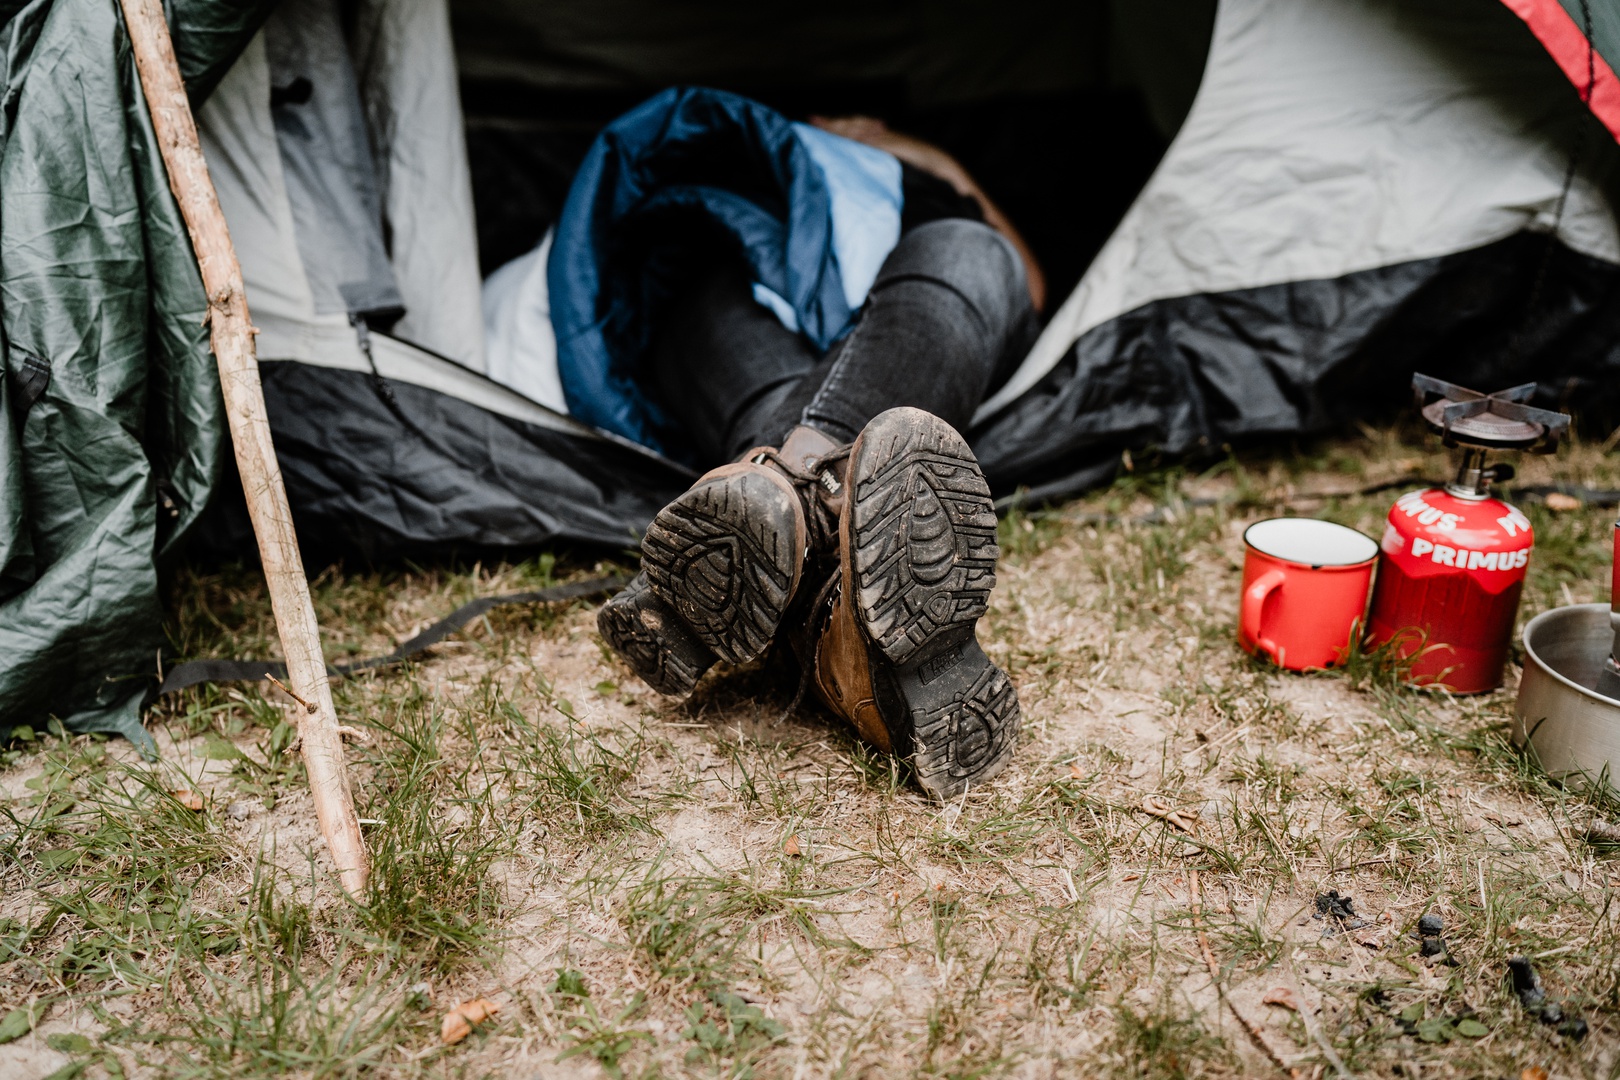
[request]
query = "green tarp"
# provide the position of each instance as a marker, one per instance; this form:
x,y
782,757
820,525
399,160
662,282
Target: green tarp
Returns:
x,y
112,432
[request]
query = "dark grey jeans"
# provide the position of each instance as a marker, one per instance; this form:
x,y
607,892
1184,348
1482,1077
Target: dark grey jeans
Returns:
x,y
946,322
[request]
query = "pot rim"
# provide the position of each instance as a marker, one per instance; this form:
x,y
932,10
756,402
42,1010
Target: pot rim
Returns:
x,y
1546,668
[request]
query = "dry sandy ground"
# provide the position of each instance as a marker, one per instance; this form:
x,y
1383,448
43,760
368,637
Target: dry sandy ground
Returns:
x,y
713,888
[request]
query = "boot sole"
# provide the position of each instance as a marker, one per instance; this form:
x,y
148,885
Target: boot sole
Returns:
x,y
923,557
726,556
659,647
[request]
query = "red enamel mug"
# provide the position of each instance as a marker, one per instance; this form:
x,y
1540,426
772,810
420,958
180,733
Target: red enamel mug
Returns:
x,y
1305,586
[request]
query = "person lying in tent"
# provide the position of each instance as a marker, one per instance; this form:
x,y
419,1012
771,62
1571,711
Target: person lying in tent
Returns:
x,y
828,375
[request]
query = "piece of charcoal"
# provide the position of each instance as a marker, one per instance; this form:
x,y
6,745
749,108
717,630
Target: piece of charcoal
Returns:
x,y
1340,907
1573,1028
1339,910
1527,985
1429,929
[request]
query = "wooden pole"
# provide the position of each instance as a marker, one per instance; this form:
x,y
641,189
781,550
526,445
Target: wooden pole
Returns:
x,y
231,333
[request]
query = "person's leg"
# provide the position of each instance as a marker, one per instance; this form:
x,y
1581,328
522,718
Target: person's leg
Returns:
x,y
723,364
895,649
891,637
721,562
947,320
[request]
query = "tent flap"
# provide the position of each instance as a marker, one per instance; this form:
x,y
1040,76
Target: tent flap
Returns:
x,y
209,34
121,441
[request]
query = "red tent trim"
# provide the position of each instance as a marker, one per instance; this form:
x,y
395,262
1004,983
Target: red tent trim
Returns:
x,y
1564,39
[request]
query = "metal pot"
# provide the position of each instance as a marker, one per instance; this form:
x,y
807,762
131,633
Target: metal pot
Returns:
x,y
1570,727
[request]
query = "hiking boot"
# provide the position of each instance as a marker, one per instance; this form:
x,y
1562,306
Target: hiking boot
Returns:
x,y
657,644
896,653
727,557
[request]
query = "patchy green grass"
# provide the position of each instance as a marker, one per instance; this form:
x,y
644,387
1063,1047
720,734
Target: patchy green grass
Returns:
x,y
708,890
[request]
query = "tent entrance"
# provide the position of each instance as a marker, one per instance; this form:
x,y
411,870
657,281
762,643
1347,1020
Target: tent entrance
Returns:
x,y
1263,217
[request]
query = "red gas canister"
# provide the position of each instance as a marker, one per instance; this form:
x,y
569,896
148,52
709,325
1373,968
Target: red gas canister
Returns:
x,y
1452,560
1451,570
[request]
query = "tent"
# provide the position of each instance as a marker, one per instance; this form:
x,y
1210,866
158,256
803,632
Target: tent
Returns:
x,y
1269,211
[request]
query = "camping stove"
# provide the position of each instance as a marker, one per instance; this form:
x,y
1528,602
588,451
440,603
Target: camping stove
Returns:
x,y
1453,559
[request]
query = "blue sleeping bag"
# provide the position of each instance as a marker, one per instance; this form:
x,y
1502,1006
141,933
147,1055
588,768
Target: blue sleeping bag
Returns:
x,y
813,214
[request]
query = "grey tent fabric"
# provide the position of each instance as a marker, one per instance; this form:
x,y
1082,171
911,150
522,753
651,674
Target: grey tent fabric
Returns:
x,y
331,180
402,178
394,443
1362,187
408,84
1331,137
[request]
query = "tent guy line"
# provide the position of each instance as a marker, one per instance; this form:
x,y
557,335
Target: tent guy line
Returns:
x,y
191,673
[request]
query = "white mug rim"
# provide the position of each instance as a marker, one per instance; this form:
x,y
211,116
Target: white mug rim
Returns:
x,y
1341,534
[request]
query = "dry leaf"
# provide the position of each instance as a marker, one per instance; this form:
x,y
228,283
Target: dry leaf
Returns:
x,y
1076,771
1372,937
454,1029
1533,1072
459,1021
1557,500
792,846
188,799
1281,996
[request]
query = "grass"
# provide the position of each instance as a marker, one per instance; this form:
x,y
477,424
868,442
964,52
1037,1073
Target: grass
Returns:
x,y
707,890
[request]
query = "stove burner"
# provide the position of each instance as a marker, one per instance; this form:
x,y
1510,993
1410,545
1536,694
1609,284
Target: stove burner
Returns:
x,y
1501,421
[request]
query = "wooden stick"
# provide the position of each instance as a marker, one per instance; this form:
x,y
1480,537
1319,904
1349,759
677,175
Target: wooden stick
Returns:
x,y
231,333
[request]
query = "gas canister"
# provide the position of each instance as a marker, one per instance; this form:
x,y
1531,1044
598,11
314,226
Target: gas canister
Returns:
x,y
1452,560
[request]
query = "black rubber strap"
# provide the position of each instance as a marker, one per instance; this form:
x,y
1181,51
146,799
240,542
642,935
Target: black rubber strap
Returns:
x,y
1599,497
193,672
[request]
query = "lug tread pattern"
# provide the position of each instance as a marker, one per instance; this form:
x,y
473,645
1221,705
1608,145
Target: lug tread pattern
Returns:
x,y
923,560
970,738
924,532
725,557
664,654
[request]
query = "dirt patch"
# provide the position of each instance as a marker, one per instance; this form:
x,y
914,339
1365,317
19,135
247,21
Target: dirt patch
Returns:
x,y
615,870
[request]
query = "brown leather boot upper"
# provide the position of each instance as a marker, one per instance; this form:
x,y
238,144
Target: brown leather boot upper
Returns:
x,y
834,646
842,673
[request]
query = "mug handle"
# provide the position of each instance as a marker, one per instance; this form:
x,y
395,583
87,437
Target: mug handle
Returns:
x,y
1254,599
